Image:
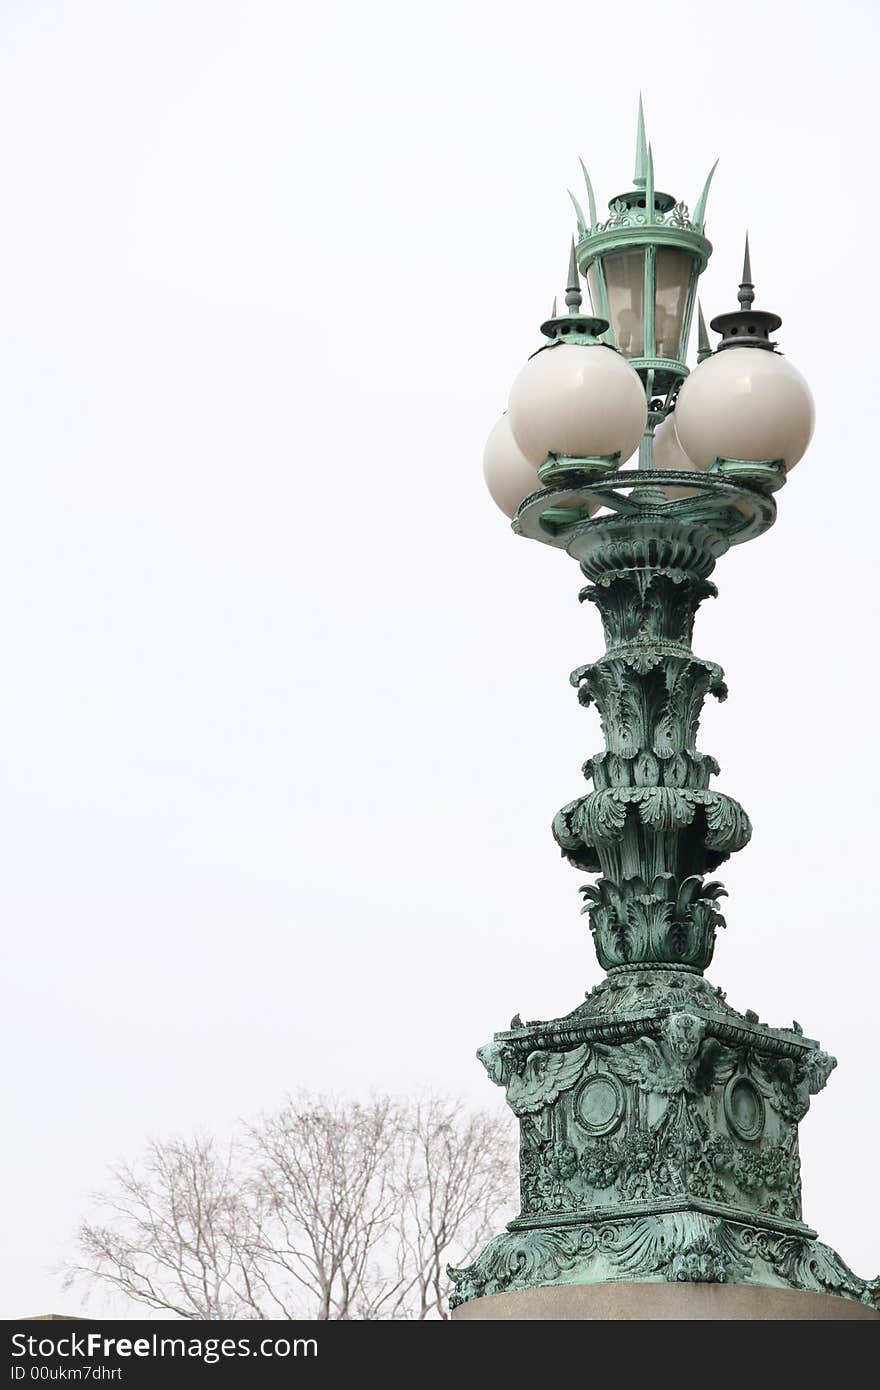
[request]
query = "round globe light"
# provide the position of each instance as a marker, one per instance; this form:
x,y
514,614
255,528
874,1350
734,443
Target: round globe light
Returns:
x,y
580,399
509,476
745,403
668,453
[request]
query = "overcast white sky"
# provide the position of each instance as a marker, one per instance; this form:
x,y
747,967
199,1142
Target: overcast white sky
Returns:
x,y
284,710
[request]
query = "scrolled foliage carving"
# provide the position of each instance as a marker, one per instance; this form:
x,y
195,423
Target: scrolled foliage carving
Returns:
x,y
690,1247
663,921
651,802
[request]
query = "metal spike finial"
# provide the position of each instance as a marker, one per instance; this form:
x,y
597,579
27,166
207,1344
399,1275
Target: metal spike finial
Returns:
x,y
591,198
746,294
573,288
641,173
699,218
553,310
704,347
649,186
746,326
579,214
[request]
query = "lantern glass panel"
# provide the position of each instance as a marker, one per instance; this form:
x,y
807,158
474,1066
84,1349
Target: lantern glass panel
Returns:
x,y
672,273
625,283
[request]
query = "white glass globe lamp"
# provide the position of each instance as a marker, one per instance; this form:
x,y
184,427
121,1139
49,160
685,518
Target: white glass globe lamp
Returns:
x,y
509,475
745,403
668,453
578,399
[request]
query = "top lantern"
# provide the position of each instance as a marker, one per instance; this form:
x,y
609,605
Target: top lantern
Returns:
x,y
642,267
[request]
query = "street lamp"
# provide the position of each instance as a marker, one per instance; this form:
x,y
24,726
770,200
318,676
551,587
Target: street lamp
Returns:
x,y
658,1125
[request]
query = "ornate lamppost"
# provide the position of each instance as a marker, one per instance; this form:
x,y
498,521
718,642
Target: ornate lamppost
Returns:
x,y
658,1125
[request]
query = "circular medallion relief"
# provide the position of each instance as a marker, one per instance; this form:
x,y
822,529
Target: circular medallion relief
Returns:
x,y
744,1108
600,1103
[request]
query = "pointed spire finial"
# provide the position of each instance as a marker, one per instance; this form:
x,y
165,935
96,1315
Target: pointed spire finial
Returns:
x,y
573,288
591,198
746,294
704,347
746,326
553,310
699,218
579,214
649,186
641,173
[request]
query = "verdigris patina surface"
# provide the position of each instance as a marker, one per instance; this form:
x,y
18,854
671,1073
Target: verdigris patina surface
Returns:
x,y
658,1125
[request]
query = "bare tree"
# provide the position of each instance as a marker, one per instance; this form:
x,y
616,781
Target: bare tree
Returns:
x,y
177,1232
326,1170
326,1208
455,1172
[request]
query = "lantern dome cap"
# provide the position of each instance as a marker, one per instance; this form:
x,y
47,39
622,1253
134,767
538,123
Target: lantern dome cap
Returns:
x,y
643,176
573,326
643,205
746,326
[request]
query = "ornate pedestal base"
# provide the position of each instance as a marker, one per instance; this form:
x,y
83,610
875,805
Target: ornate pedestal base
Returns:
x,y
652,1302
658,1145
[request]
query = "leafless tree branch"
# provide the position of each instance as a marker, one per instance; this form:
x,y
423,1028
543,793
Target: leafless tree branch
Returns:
x,y
326,1208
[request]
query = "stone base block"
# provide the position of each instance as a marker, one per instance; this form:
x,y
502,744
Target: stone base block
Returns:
x,y
684,1302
